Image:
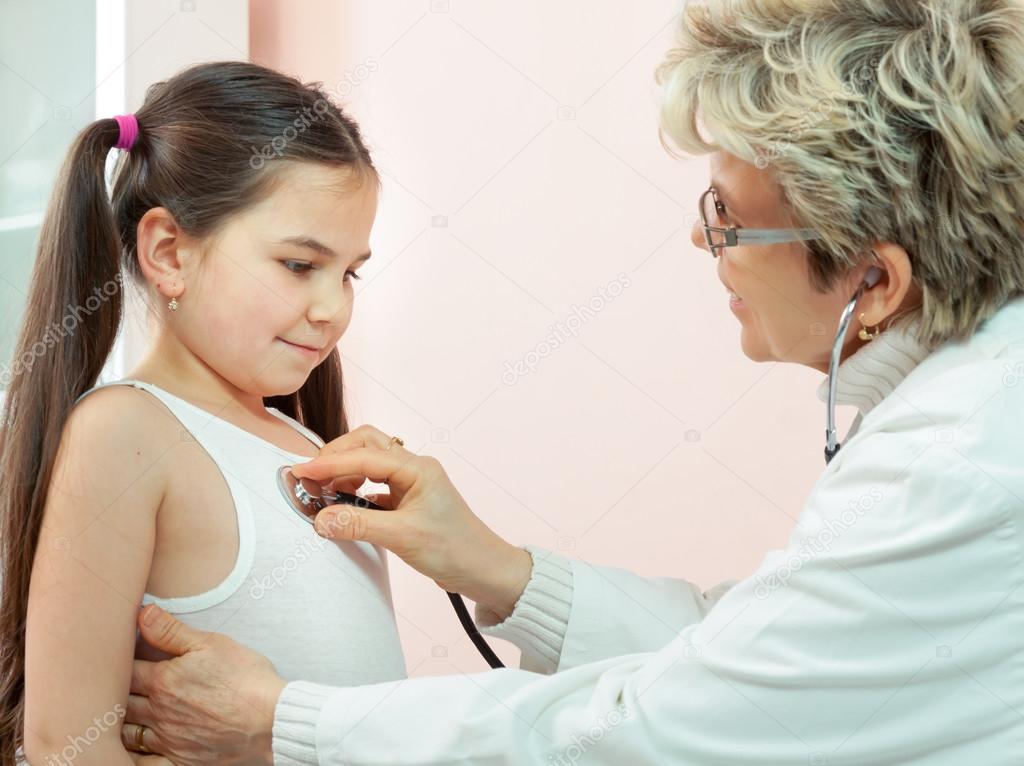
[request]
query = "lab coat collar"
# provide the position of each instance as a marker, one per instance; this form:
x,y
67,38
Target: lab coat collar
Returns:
x,y
876,368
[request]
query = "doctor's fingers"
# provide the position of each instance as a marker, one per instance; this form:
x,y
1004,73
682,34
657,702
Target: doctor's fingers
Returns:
x,y
399,470
150,760
347,483
363,436
130,740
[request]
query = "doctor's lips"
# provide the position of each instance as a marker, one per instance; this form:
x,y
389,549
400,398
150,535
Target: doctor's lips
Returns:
x,y
734,299
735,302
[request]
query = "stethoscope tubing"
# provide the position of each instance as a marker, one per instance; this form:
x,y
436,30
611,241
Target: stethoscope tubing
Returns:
x,y
831,444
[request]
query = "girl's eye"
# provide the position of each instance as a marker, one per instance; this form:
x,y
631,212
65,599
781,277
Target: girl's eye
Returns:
x,y
304,267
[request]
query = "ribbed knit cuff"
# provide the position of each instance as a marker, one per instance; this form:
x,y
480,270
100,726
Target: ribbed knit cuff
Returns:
x,y
295,718
541,616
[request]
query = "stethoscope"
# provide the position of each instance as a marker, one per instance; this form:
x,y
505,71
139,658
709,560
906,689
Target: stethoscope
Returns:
x,y
308,497
831,445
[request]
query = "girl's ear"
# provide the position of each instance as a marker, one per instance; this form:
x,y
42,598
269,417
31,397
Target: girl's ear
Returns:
x,y
163,249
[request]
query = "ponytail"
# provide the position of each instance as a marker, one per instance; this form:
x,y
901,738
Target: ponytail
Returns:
x,y
72,316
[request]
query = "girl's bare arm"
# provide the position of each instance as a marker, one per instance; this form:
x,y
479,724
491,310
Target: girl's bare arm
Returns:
x,y
89,574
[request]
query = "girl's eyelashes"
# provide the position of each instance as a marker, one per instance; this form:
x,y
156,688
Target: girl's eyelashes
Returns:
x,y
306,267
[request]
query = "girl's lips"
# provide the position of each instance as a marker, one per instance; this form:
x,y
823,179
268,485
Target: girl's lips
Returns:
x,y
301,349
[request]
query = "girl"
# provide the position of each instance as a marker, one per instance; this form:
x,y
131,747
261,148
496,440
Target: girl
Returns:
x,y
241,208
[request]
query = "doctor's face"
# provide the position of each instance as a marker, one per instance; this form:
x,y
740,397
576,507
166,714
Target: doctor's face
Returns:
x,y
782,317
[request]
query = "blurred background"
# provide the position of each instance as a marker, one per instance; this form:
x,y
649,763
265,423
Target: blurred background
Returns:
x,y
535,314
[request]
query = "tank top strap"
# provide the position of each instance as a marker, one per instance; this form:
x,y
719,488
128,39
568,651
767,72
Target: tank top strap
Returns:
x,y
186,413
309,434
196,419
172,403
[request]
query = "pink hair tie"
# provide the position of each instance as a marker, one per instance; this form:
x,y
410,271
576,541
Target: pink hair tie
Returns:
x,y
128,131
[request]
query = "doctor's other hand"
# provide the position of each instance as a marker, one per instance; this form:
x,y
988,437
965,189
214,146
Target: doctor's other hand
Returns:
x,y
428,524
213,701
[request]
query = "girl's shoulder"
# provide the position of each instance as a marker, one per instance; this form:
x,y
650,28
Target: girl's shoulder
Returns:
x,y
119,435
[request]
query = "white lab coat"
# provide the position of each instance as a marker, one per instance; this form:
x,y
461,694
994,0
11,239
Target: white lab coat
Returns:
x,y
890,630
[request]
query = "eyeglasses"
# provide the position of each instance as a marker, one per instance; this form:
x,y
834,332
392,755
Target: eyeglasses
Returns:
x,y
720,237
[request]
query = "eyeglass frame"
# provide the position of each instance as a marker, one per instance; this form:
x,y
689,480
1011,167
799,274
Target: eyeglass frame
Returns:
x,y
743,236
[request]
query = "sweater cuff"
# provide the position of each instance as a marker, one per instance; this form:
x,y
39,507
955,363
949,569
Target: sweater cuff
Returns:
x,y
295,718
541,616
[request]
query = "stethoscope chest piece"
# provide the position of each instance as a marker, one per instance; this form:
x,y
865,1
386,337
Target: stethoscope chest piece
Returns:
x,y
308,497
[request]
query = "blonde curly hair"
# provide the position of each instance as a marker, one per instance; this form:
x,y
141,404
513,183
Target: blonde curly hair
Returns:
x,y
884,121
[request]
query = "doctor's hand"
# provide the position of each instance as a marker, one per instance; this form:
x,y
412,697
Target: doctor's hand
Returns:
x,y
428,524
212,702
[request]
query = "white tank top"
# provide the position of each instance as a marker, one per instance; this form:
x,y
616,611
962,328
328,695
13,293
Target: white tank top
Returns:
x,y
319,610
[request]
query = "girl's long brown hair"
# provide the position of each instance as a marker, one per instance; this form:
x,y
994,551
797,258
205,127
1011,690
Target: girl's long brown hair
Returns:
x,y
209,140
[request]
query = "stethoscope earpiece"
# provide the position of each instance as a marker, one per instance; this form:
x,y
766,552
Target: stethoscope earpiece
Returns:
x,y
871,278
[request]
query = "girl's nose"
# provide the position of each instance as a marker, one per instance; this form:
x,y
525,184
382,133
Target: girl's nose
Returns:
x,y
330,307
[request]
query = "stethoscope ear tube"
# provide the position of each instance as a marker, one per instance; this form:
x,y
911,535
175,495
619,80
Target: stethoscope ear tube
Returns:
x,y
307,498
831,444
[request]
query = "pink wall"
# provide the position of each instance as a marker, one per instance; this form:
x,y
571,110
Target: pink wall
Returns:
x,y
522,176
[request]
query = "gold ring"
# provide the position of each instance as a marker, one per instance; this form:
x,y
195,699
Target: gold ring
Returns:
x,y
140,739
393,441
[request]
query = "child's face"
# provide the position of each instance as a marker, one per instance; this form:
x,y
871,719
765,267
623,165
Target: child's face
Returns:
x,y
256,299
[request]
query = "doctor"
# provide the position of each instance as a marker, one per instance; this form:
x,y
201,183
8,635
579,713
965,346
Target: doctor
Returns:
x,y
890,629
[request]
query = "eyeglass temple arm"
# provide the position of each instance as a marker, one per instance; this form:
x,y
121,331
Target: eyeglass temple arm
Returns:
x,y
768,236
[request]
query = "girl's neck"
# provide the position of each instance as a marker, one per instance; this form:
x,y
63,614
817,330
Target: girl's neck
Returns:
x,y
180,372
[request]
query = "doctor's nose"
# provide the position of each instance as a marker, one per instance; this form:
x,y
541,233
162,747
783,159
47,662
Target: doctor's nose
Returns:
x,y
697,236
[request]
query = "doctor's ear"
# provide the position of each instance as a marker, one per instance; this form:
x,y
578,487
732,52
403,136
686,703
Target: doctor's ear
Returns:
x,y
890,284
